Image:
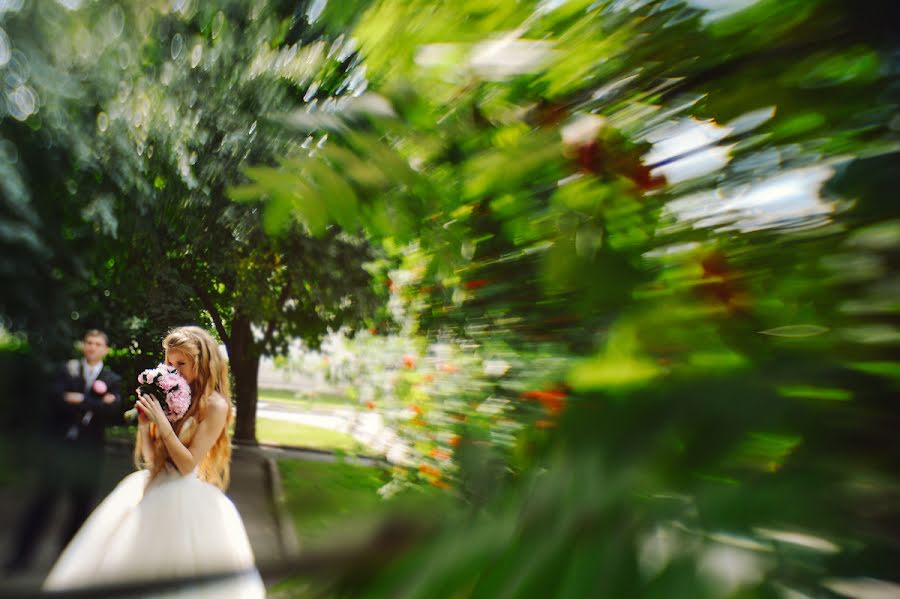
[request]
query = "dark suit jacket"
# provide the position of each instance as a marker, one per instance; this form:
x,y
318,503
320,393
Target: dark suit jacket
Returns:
x,y
85,423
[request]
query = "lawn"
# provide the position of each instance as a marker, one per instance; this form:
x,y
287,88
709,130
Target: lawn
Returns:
x,y
335,506
280,432
326,498
321,401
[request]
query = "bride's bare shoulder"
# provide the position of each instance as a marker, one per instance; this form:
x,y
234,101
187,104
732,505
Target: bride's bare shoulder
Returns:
x,y
218,403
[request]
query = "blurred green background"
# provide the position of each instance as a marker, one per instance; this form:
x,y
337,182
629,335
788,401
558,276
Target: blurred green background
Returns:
x,y
621,275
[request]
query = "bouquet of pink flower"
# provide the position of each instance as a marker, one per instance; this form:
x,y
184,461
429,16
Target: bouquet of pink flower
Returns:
x,y
169,388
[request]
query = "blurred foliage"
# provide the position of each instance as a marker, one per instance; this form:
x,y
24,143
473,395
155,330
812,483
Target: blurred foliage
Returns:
x,y
142,117
643,255
685,210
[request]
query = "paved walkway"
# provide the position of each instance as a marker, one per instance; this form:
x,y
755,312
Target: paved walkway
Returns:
x,y
255,487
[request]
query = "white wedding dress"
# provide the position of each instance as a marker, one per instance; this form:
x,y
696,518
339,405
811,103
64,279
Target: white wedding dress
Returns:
x,y
179,526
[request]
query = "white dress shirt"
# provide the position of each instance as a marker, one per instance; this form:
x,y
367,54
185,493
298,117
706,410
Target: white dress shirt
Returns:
x,y
90,373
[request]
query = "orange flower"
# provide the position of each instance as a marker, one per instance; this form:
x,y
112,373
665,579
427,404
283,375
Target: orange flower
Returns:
x,y
429,470
409,361
440,454
454,440
545,424
370,405
553,400
439,483
418,421
428,378
449,367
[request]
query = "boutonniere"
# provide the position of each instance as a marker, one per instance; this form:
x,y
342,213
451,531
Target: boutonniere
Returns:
x,y
73,367
99,387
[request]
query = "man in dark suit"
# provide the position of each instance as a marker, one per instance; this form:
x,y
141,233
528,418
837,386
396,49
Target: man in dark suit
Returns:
x,y
86,398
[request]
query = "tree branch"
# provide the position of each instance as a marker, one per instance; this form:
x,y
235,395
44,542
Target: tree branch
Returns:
x,y
270,326
210,306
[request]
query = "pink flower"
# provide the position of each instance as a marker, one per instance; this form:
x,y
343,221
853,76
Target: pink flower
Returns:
x,y
172,387
99,387
168,381
178,402
146,377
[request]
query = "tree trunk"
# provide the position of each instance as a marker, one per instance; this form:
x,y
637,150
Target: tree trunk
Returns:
x,y
243,356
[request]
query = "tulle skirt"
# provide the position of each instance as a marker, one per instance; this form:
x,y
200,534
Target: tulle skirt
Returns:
x,y
179,527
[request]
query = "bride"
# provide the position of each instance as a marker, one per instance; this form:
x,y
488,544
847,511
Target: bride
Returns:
x,y
171,519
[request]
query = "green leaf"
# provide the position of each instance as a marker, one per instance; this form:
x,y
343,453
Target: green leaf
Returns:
x,y
277,214
812,392
310,208
340,199
796,331
245,193
604,373
886,369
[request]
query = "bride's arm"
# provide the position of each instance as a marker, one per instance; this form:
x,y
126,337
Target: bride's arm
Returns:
x,y
209,429
146,443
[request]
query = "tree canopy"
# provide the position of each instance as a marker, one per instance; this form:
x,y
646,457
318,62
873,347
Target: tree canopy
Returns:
x,y
163,108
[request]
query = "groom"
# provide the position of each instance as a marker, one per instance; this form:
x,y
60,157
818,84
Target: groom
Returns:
x,y
86,398
91,393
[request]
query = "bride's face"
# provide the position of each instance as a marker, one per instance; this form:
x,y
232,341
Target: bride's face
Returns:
x,y
180,361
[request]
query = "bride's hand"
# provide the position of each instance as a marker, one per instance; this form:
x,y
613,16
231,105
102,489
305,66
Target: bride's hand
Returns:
x,y
142,420
150,409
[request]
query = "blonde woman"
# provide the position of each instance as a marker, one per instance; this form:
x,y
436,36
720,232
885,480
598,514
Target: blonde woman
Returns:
x,y
171,519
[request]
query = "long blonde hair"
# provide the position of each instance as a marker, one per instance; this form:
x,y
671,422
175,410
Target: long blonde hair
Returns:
x,y
211,375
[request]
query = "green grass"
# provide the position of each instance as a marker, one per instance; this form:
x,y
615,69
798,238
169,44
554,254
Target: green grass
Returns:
x,y
336,505
278,394
323,400
279,432
307,404
324,498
